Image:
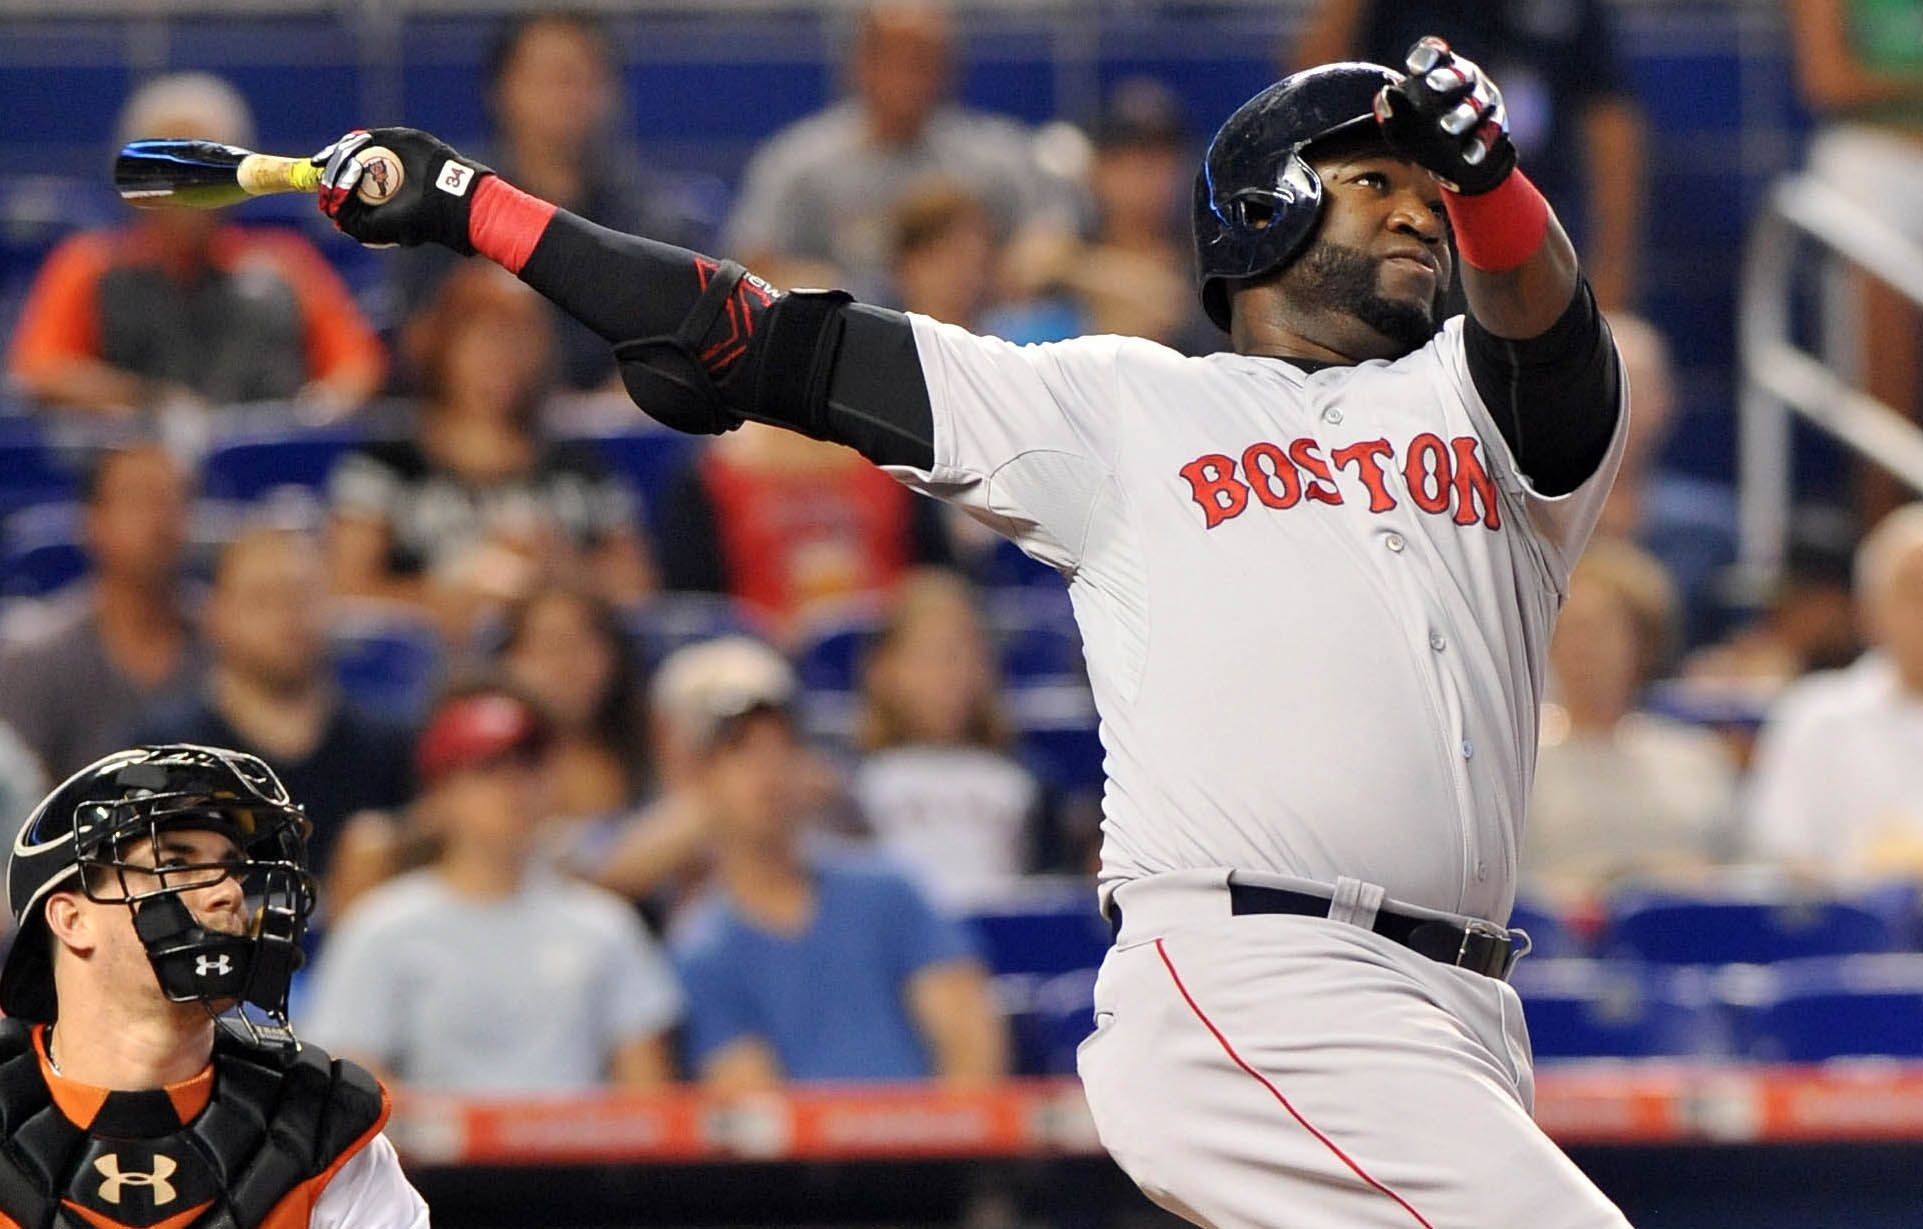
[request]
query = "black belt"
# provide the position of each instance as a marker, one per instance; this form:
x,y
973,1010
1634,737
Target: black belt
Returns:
x,y
1479,946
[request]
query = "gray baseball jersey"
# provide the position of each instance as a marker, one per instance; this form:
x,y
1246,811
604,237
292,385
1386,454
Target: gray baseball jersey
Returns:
x,y
1314,605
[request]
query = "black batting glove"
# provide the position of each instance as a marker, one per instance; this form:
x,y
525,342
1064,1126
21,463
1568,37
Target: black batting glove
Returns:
x,y
1448,117
430,206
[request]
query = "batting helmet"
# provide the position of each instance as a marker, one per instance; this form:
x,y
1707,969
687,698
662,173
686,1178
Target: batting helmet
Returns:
x,y
79,838
1256,200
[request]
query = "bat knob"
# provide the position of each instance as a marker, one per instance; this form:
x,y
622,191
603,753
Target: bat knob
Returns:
x,y
381,174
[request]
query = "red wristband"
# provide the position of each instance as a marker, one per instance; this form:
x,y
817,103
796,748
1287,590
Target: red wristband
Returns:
x,y
504,223
1498,229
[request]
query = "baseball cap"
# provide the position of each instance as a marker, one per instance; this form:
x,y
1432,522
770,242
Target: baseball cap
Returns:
x,y
705,687
472,728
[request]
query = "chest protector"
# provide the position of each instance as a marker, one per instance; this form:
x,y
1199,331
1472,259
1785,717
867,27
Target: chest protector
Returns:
x,y
271,1123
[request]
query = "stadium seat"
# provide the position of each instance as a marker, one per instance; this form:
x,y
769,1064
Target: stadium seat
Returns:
x,y
33,472
1550,938
1046,927
1004,565
1823,1008
830,647
252,468
1581,1008
1737,926
386,659
41,550
671,621
648,458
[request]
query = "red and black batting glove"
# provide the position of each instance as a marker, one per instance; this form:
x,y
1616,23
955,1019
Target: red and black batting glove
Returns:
x,y
429,205
1448,117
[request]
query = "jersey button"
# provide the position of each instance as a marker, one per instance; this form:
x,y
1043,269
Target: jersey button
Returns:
x,y
1437,642
1482,870
1468,750
1332,415
1394,542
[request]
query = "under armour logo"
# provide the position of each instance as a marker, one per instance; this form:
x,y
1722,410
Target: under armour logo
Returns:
x,y
163,1190
203,965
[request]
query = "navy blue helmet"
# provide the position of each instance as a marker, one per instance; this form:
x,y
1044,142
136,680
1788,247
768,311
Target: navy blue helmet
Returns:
x,y
1256,200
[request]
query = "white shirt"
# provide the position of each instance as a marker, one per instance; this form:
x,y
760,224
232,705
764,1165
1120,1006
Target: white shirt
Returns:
x,y
956,818
1838,775
1321,670
370,1192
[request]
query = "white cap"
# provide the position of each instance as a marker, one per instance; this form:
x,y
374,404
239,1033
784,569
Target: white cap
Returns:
x,y
704,686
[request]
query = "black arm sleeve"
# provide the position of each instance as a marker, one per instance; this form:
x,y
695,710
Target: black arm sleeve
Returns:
x,y
1555,397
862,360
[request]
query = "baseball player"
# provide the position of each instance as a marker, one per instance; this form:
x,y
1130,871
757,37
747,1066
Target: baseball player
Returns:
x,y
147,1075
1314,578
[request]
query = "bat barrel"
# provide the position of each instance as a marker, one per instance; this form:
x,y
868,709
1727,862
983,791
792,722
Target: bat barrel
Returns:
x,y
204,174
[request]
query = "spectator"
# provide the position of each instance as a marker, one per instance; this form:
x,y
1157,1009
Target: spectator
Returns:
x,y
553,105
943,259
1860,65
183,308
1576,122
268,691
667,845
478,508
1808,622
792,526
936,784
1838,782
1619,792
121,643
1134,276
808,968
565,647
821,192
485,971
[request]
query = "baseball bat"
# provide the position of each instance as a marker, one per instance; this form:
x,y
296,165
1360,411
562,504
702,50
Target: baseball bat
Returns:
x,y
207,174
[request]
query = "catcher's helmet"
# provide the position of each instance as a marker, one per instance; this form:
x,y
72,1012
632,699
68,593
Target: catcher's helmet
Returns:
x,y
1256,200
79,838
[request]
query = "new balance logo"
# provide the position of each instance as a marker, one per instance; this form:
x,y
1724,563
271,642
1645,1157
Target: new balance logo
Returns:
x,y
156,1182
203,965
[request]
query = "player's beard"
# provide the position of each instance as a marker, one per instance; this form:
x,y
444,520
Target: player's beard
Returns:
x,y
1346,278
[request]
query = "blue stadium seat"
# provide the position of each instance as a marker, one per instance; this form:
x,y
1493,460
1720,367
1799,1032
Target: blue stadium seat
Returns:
x,y
671,621
1736,926
648,457
1579,1008
1812,1010
1047,1018
41,550
1051,927
830,648
387,660
1004,565
1550,938
253,467
34,472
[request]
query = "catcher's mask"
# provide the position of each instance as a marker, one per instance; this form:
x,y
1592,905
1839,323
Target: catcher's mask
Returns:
x,y
102,833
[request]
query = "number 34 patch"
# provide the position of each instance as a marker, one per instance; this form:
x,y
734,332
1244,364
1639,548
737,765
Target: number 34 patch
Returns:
x,y
454,178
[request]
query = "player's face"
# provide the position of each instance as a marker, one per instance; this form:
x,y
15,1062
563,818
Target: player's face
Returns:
x,y
1382,247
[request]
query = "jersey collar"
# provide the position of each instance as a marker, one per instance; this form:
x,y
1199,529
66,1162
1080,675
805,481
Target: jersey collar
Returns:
x,y
135,1115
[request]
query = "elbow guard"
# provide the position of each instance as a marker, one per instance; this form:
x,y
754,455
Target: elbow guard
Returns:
x,y
742,354
676,377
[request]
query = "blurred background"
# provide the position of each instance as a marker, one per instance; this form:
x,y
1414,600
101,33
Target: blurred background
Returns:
x,y
707,825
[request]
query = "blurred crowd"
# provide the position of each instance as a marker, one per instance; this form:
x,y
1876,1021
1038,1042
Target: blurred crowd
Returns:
x,y
633,759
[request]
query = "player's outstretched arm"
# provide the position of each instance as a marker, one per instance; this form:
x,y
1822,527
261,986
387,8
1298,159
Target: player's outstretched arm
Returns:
x,y
703,344
1536,345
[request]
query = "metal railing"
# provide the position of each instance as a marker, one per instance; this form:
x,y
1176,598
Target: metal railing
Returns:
x,y
1782,381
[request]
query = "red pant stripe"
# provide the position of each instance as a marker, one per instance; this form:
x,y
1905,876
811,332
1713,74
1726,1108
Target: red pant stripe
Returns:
x,y
1277,1093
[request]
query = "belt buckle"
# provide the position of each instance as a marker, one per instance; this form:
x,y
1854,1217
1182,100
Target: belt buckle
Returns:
x,y
1476,927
